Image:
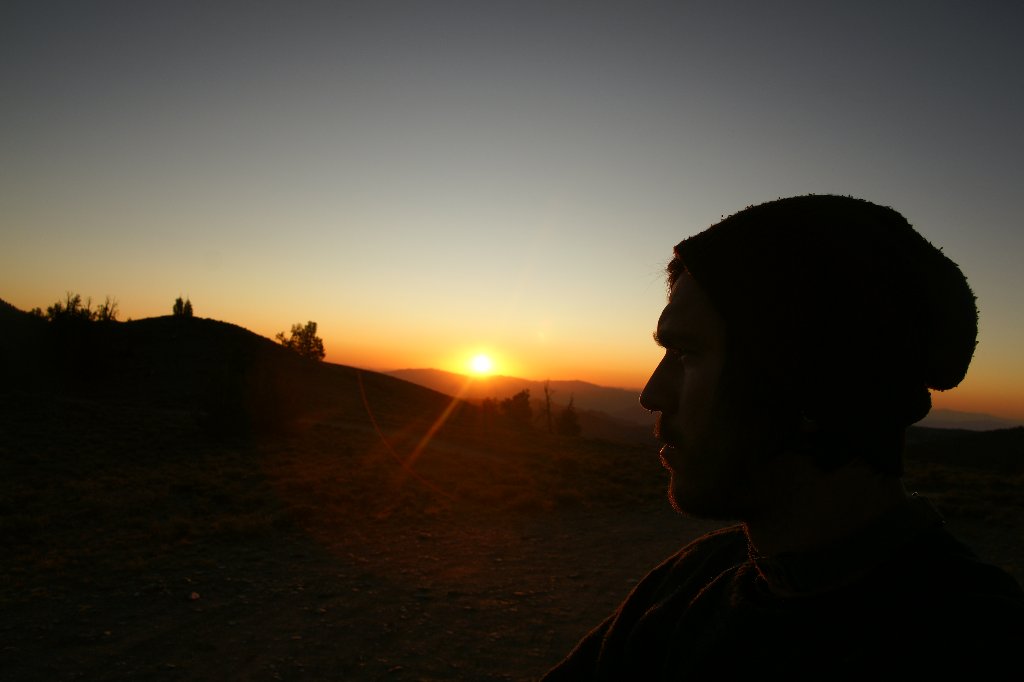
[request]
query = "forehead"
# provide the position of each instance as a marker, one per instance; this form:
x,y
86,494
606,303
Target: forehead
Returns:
x,y
689,314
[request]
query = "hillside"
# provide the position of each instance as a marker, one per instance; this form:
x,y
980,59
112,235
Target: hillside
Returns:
x,y
224,376
183,499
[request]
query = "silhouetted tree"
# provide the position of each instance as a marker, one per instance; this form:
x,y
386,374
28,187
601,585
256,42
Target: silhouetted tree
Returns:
x,y
182,307
72,308
107,312
568,420
304,341
517,408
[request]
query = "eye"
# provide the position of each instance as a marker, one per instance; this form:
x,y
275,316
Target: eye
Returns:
x,y
679,354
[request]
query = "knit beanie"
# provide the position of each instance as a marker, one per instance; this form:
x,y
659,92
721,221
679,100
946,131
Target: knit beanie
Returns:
x,y
839,306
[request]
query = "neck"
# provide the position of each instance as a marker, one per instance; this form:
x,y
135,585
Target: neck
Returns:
x,y
816,508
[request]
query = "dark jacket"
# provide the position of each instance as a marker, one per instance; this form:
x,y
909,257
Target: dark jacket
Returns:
x,y
901,598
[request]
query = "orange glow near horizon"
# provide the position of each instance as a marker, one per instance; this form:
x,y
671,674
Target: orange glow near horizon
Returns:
x,y
983,396
992,386
982,392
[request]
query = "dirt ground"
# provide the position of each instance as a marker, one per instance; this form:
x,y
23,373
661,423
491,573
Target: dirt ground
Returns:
x,y
136,550
445,599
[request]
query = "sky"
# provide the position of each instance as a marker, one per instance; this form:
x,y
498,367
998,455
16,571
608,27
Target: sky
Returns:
x,y
430,180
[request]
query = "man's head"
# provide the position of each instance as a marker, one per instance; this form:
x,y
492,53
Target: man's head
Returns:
x,y
836,318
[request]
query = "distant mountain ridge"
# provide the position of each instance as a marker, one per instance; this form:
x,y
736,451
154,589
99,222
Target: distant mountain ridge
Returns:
x,y
618,403
624,404
970,421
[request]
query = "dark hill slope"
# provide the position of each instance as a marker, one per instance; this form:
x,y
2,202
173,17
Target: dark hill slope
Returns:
x,y
160,392
22,344
228,377
1000,451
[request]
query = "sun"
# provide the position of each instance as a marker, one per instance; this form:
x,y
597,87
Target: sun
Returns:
x,y
481,364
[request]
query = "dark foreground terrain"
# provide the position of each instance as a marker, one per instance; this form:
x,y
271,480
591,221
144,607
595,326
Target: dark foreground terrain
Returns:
x,y
138,549
317,522
135,548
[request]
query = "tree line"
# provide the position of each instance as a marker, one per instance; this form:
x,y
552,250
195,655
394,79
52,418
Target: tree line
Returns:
x,y
302,339
518,410
74,308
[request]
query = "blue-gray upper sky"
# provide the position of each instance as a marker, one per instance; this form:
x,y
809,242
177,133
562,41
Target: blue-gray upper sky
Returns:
x,y
429,178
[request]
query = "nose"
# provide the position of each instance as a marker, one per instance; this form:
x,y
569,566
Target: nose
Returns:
x,y
657,396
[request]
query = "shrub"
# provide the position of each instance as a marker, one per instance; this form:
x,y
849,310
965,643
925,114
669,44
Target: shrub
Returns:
x,y
304,341
182,308
107,312
517,408
72,308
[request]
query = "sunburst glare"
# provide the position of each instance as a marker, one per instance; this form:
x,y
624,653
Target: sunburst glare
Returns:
x,y
481,364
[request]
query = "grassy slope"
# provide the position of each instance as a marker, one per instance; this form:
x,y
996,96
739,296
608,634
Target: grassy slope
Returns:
x,y
151,462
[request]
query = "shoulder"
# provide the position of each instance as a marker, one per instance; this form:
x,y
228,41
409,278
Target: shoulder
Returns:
x,y
696,564
950,600
939,562
972,590
645,618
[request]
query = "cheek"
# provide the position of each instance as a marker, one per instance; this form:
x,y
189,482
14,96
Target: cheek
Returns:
x,y
699,393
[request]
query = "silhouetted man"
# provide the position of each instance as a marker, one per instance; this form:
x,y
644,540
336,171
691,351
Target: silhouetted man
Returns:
x,y
802,337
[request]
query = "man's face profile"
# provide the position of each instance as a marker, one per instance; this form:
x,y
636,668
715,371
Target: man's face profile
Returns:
x,y
710,469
